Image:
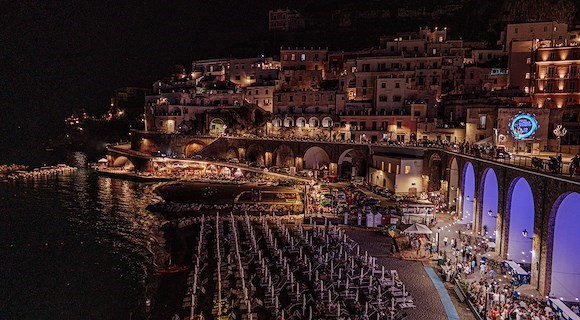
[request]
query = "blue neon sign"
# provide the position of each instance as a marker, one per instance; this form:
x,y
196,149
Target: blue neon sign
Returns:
x,y
523,126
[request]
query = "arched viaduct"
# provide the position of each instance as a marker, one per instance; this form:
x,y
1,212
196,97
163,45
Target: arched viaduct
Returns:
x,y
513,207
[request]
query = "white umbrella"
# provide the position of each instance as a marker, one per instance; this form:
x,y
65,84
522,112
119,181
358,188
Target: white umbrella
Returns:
x,y
102,160
417,228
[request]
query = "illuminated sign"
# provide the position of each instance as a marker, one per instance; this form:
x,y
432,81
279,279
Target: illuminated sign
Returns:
x,y
523,126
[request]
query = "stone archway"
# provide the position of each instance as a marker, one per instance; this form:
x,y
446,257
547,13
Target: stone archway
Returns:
x,y
327,122
284,156
192,148
313,122
231,153
348,160
345,164
124,162
316,158
288,122
255,153
563,278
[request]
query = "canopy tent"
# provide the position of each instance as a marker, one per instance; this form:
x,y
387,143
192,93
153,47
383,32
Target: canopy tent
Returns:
x,y
417,228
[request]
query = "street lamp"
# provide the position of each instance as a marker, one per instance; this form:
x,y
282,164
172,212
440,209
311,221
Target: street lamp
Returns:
x,y
438,231
559,132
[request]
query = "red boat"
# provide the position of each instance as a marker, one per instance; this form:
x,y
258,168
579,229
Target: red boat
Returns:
x,y
174,269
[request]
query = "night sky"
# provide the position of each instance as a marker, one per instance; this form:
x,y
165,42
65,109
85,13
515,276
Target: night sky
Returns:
x,y
56,56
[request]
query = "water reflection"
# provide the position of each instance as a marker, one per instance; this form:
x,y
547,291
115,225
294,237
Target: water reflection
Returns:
x,y
76,246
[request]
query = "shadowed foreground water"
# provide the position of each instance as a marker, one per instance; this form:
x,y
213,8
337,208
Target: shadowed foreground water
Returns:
x,y
76,246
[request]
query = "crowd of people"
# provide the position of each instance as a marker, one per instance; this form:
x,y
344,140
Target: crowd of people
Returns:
x,y
489,288
498,301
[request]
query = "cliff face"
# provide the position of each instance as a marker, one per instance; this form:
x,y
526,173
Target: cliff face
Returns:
x,y
534,10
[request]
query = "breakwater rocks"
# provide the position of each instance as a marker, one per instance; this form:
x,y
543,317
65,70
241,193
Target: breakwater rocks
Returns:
x,y
15,172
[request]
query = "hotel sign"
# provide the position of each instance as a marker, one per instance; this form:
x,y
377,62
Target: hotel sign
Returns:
x,y
523,126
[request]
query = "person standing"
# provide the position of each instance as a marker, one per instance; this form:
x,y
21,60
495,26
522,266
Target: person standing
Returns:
x,y
445,242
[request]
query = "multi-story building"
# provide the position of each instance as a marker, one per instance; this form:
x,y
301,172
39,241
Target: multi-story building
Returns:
x,y
548,30
401,174
211,67
556,81
245,72
371,126
285,20
302,68
262,94
482,56
481,124
521,41
390,80
174,108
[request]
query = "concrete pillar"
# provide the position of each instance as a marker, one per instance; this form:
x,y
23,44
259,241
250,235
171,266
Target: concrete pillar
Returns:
x,y
298,163
333,169
268,159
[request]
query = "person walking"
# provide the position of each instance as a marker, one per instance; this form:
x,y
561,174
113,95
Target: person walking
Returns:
x,y
445,242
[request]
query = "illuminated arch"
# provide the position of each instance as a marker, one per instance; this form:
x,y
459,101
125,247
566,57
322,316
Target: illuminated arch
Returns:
x,y
301,122
564,279
520,211
192,148
316,158
288,122
314,122
489,203
124,162
468,194
277,122
327,122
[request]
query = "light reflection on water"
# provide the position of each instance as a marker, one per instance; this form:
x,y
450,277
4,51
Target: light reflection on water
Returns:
x,y
76,246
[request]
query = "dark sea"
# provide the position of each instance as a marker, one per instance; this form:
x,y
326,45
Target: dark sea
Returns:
x,y
77,246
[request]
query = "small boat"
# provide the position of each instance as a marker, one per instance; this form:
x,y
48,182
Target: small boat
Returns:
x,y
174,269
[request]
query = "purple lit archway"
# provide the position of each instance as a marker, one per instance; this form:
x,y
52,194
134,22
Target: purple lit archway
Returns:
x,y
489,204
521,221
468,194
565,277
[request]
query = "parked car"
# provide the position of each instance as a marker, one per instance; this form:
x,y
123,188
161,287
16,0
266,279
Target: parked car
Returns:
x,y
502,154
